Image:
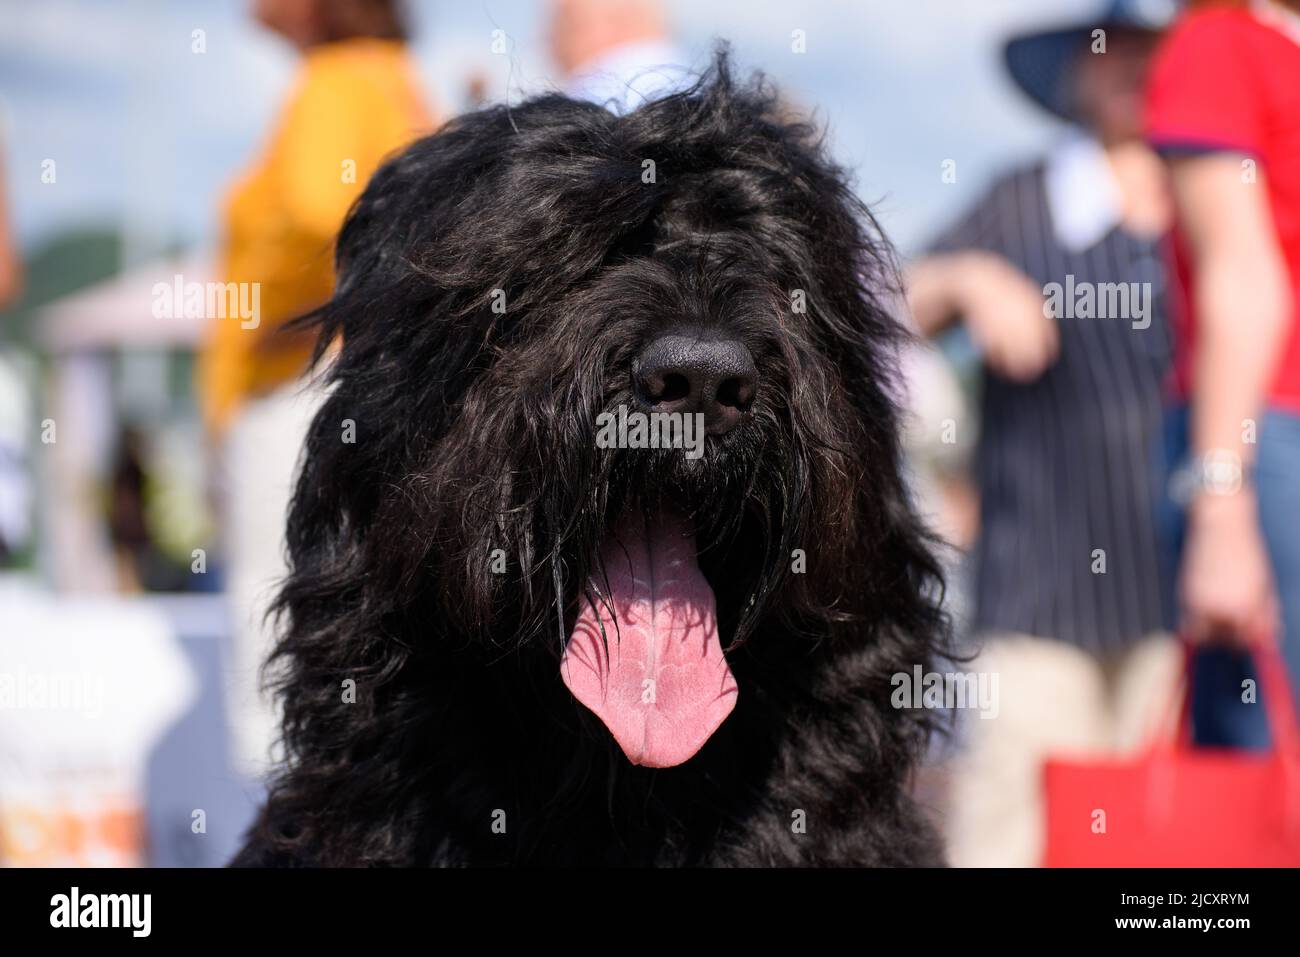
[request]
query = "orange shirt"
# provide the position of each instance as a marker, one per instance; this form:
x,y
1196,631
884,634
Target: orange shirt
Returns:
x,y
354,103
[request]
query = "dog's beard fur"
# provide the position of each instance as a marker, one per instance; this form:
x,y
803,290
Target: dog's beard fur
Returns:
x,y
475,431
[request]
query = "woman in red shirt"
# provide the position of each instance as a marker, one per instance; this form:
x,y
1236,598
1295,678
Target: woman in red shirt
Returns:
x,y
1224,107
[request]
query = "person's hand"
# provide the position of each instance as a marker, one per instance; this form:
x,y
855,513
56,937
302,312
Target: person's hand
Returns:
x,y
1004,312
1225,581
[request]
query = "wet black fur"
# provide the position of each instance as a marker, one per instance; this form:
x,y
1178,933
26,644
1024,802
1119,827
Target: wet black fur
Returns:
x,y
475,431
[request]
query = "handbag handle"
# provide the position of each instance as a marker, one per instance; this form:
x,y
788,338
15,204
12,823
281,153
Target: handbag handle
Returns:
x,y
1279,709
1279,703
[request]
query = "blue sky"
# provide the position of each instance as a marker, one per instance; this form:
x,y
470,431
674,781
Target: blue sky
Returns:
x,y
147,134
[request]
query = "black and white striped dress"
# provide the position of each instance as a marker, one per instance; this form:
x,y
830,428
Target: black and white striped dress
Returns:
x,y
1065,464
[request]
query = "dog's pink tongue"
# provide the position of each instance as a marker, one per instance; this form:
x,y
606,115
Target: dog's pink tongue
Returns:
x,y
657,677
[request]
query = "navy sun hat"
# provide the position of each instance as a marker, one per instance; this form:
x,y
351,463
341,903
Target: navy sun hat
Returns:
x,y
1041,62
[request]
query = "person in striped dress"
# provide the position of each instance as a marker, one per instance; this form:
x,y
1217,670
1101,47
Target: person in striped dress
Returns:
x,y
1056,274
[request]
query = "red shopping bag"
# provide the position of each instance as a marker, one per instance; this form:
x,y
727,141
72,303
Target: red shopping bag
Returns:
x,y
1176,805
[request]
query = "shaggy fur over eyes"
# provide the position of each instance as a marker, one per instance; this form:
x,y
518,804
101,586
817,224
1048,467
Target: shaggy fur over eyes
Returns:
x,y
475,431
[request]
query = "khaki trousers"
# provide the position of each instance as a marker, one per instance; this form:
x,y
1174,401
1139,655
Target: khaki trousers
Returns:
x,y
1054,700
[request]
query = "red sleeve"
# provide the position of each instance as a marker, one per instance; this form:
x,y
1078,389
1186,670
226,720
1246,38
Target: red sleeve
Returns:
x,y
1203,93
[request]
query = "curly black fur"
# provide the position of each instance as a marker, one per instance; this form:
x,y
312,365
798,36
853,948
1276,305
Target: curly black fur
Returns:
x,y
475,431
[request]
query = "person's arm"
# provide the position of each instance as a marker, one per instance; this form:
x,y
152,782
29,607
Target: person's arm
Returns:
x,y
1242,304
934,291
1002,308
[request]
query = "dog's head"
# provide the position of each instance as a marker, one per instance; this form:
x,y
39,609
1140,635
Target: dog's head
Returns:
x,y
531,305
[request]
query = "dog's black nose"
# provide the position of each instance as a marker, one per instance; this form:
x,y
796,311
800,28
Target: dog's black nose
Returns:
x,y
681,373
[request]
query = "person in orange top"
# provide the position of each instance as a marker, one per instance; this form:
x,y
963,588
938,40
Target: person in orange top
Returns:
x,y
355,101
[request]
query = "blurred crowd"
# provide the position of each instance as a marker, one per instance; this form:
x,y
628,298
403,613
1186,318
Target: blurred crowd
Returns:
x,y
1133,298
1106,386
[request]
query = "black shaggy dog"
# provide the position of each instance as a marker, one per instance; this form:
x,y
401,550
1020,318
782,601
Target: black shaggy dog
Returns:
x,y
536,624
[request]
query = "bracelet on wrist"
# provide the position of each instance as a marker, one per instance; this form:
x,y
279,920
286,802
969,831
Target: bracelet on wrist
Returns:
x,y
1218,472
